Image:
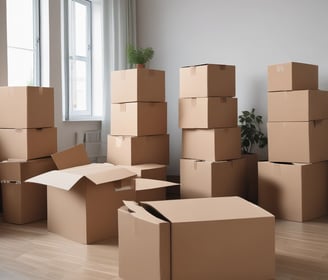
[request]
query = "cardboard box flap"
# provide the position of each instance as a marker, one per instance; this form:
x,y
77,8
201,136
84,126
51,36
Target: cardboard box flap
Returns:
x,y
141,213
206,209
148,184
71,157
222,66
137,167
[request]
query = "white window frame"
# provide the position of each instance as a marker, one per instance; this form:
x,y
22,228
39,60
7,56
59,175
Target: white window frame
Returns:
x,y
69,112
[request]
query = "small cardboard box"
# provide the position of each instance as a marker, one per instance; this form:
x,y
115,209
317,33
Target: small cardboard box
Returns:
x,y
26,107
296,192
27,143
292,76
196,239
212,112
211,144
139,118
212,178
137,85
300,105
24,202
131,150
207,80
304,142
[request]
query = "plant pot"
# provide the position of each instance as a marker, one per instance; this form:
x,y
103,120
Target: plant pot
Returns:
x,y
140,66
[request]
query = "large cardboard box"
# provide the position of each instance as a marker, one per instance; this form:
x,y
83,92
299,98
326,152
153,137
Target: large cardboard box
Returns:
x,y
139,118
212,112
292,76
131,150
27,143
211,144
24,202
207,80
296,192
300,105
205,238
298,141
137,85
212,178
26,107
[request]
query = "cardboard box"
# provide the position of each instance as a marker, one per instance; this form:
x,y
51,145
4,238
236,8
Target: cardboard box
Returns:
x,y
207,80
24,202
212,112
26,107
298,141
131,150
296,192
300,105
211,144
196,239
292,76
27,143
212,178
137,85
148,170
139,118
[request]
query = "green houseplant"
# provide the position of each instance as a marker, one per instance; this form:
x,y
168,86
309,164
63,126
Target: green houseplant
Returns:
x,y
139,56
251,134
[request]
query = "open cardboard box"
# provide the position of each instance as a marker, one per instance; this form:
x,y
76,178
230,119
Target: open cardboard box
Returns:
x,y
204,238
83,199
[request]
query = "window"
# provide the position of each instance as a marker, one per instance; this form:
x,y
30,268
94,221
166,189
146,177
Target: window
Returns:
x,y
78,62
23,42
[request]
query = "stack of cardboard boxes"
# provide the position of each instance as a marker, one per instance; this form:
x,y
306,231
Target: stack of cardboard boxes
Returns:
x,y
211,163
27,139
139,138
293,184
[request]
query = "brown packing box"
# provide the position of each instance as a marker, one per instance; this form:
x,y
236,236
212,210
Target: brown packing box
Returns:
x,y
24,202
196,239
137,85
27,143
139,118
292,76
298,141
300,105
212,178
296,192
212,112
211,144
26,107
131,150
83,200
207,80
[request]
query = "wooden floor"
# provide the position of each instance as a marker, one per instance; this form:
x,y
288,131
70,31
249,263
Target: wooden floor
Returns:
x,y
30,252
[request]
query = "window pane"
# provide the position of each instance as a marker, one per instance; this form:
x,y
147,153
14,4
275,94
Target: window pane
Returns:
x,y
78,82
20,23
81,20
20,67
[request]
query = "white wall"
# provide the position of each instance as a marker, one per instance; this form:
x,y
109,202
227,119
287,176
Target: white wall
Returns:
x,y
249,34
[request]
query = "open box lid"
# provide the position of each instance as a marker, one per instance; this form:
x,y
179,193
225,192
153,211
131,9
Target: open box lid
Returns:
x,y
149,184
98,173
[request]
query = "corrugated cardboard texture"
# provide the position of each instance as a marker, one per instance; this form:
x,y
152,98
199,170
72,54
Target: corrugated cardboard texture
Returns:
x,y
139,118
211,179
28,143
292,76
26,107
212,112
298,141
137,85
130,150
301,105
296,192
211,144
207,80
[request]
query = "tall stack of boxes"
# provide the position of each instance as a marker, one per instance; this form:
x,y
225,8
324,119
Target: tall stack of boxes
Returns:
x,y
139,136
27,139
293,184
211,163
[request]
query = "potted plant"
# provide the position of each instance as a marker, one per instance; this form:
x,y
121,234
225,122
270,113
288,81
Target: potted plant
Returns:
x,y
139,56
251,137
